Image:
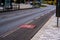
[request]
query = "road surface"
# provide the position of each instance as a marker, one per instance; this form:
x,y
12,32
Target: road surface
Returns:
x,y
11,20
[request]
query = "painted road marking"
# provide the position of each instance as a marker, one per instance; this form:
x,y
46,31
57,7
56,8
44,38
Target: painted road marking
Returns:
x,y
28,26
6,34
29,21
37,17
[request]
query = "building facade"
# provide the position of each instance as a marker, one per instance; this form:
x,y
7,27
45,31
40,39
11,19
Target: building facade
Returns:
x,y
52,2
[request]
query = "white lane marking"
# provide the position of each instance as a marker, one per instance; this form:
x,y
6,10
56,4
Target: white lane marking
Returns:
x,y
37,17
6,34
29,21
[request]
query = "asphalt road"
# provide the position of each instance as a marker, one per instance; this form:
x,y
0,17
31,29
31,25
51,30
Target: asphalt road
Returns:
x,y
11,20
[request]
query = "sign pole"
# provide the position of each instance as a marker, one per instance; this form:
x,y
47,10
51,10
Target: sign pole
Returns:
x,y
57,21
58,11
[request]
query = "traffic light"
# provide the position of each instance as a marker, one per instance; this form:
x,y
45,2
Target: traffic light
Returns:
x,y
58,8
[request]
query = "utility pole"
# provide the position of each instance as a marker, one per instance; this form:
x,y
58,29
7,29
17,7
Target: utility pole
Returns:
x,y
58,11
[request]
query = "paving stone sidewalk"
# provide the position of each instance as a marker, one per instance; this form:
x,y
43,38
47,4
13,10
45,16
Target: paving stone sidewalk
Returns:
x,y
19,6
24,6
49,31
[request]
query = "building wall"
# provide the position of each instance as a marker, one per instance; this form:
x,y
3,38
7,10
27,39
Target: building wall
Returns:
x,y
52,2
24,1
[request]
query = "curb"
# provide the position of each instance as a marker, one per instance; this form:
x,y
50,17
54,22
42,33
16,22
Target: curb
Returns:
x,y
27,8
16,10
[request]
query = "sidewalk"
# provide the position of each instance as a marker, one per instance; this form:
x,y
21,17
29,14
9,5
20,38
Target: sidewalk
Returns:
x,y
49,31
1,8
24,6
17,7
